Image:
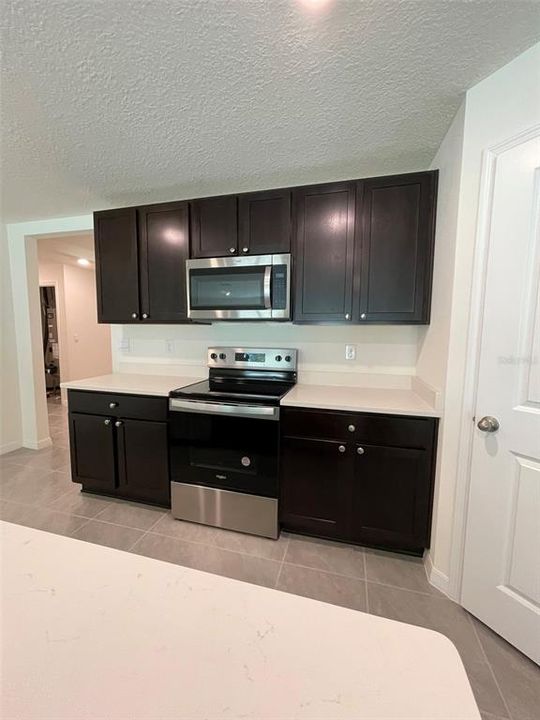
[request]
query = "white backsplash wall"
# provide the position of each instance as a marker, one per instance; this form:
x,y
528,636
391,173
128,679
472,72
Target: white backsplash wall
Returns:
x,y
385,355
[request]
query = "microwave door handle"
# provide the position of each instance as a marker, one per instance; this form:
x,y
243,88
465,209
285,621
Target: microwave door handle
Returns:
x,y
267,287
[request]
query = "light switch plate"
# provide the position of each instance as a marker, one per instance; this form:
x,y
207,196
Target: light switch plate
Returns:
x,y
350,352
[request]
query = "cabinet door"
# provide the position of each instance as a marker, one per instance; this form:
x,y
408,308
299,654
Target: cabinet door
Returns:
x,y
395,229
214,227
315,486
92,449
143,461
164,249
391,497
117,265
265,222
324,240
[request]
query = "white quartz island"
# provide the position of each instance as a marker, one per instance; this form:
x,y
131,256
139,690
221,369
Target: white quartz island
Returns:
x,y
91,632
135,383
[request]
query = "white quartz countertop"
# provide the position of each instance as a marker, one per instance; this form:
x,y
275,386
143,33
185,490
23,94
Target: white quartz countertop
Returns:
x,y
90,632
137,384
358,399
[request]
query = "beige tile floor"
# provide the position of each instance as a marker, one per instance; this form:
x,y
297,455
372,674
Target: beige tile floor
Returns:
x,y
36,490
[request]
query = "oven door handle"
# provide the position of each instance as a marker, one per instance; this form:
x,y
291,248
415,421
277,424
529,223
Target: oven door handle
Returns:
x,y
267,287
251,411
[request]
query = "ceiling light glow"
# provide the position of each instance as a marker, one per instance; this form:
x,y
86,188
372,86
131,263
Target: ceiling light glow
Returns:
x,y
316,5
84,262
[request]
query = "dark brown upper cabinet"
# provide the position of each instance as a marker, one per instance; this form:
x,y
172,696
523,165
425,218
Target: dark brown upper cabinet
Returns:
x,y
395,232
255,224
214,226
164,249
324,252
140,263
117,265
264,223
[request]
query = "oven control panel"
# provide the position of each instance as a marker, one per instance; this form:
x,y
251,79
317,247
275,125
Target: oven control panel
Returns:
x,y
260,358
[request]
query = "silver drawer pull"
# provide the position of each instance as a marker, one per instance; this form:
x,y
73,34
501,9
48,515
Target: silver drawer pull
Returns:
x,y
107,422
342,448
112,405
118,423
351,428
360,450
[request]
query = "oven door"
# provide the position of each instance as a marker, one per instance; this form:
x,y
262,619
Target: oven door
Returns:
x,y
224,450
239,288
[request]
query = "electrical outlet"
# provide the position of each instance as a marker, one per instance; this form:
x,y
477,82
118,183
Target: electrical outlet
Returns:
x,y
124,345
169,347
350,352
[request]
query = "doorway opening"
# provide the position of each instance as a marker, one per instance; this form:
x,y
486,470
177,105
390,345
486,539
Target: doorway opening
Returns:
x,y
74,344
51,347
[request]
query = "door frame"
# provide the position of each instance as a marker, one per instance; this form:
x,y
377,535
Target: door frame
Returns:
x,y
473,349
23,260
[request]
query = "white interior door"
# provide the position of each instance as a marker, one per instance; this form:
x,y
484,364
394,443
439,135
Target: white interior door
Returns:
x,y
501,581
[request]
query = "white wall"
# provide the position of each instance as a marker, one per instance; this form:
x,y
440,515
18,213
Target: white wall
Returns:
x,y
498,108
385,354
10,418
88,343
85,346
432,361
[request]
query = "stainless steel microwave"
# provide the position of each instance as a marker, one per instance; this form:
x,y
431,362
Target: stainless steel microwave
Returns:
x,y
239,288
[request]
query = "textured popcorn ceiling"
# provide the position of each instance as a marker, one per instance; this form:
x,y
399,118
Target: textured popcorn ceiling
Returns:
x,y
113,102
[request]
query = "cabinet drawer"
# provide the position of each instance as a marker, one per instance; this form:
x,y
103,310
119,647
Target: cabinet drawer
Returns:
x,y
395,430
136,407
318,424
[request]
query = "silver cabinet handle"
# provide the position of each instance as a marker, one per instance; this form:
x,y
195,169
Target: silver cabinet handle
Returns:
x,y
145,316
134,316
351,428
232,250
363,316
112,405
245,250
210,408
360,450
107,422
347,316
118,423
342,448
488,424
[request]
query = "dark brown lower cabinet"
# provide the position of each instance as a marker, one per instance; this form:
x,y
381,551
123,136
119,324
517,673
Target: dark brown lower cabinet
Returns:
x,y
119,456
143,461
93,460
390,496
309,502
376,493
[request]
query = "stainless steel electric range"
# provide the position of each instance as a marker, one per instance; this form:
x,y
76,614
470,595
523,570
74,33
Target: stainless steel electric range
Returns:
x,y
224,440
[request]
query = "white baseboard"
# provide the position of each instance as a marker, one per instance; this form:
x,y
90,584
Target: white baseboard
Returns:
x,y
39,444
9,447
435,577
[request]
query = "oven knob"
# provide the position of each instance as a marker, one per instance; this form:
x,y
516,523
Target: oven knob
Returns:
x,y
222,356
278,358
287,358
213,356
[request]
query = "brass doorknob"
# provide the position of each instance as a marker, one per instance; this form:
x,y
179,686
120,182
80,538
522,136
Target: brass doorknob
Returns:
x,y
488,424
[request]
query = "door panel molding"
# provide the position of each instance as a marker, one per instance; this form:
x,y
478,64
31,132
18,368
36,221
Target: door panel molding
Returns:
x,y
473,349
